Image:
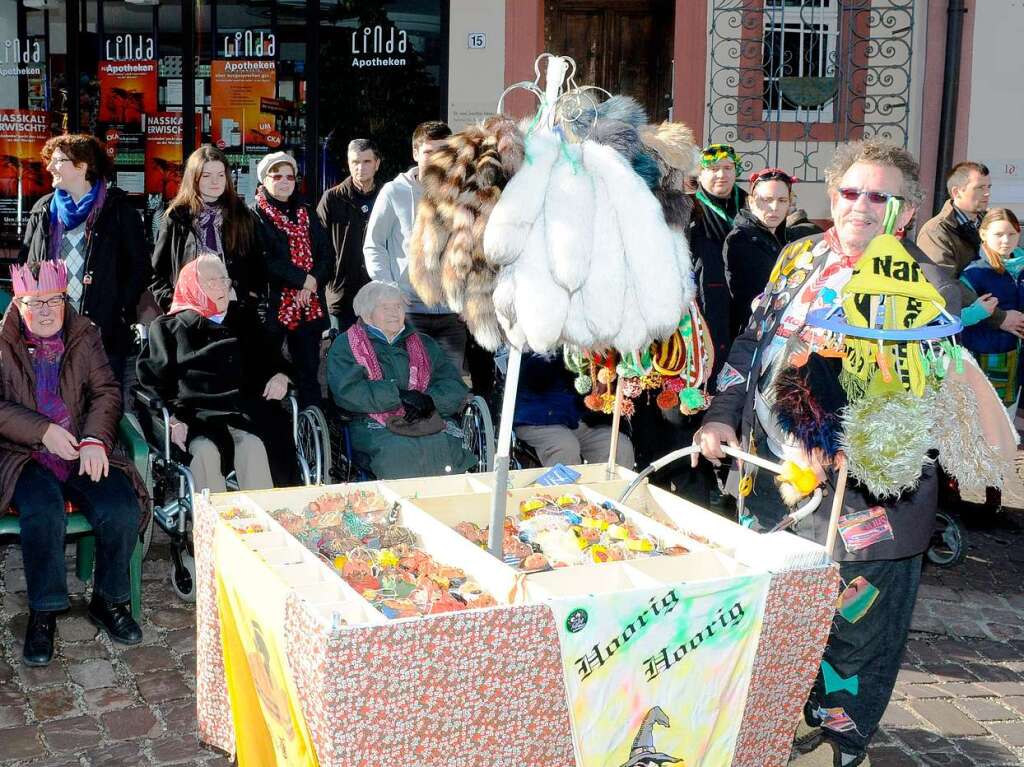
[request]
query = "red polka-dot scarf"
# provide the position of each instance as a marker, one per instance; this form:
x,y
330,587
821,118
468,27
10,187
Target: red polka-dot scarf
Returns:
x,y
289,313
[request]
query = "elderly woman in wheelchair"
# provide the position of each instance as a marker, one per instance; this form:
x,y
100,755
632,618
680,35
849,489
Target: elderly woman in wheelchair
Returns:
x,y
400,391
214,369
59,411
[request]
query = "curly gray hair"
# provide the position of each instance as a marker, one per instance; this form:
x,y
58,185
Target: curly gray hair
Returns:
x,y
371,294
877,151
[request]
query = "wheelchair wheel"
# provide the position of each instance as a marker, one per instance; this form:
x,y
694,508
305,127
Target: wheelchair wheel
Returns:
x,y
478,433
948,546
183,574
313,445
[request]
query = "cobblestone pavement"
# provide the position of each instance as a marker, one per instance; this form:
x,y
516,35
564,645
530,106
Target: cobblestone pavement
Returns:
x,y
959,699
100,703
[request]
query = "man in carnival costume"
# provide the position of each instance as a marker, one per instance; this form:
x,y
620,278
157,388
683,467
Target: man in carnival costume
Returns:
x,y
880,580
717,201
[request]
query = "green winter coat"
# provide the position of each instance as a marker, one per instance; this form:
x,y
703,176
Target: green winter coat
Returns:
x,y
389,455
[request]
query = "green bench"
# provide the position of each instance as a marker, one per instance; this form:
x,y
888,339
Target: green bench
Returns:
x,y
78,527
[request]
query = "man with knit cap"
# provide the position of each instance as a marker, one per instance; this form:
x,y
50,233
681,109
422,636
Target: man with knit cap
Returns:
x,y
386,247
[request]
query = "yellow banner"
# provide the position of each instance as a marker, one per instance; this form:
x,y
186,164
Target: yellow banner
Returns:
x,y
269,725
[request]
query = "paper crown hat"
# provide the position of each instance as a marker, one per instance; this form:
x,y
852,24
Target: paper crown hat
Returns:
x,y
53,278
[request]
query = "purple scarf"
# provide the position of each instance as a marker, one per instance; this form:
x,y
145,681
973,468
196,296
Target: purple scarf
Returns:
x,y
419,365
57,225
46,354
208,227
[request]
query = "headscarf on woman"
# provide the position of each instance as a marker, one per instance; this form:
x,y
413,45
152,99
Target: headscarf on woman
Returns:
x,y
189,294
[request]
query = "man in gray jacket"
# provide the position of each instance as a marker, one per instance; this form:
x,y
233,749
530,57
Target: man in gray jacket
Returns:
x,y
386,248
862,658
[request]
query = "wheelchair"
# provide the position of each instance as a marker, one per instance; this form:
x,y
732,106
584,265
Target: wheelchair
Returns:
x,y
347,465
172,486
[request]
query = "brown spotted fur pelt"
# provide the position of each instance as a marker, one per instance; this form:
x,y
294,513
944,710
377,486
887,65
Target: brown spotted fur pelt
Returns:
x,y
461,186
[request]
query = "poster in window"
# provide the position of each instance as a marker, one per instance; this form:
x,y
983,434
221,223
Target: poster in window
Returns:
x,y
128,90
237,88
164,132
23,175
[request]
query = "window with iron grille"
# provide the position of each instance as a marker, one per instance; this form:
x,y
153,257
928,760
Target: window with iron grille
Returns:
x,y
799,53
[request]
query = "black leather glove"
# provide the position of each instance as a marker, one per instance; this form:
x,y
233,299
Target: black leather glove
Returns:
x,y
416,403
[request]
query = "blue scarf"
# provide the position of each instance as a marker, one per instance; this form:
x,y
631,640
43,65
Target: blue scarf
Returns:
x,y
70,213
66,214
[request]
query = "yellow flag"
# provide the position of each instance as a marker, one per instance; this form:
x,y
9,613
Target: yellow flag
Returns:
x,y
887,277
269,725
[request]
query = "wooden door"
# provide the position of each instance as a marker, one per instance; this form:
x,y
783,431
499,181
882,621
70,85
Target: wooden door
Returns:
x,y
624,46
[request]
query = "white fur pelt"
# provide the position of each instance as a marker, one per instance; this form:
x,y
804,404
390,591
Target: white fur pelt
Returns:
x,y
521,202
586,258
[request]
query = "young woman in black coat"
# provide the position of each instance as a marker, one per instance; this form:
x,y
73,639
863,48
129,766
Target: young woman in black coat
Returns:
x,y
299,263
208,216
753,245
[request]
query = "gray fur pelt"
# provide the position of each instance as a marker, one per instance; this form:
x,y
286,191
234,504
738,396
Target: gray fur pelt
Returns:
x,y
616,123
461,186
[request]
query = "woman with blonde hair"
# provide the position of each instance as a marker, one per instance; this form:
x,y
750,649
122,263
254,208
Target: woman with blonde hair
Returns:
x,y
208,216
998,278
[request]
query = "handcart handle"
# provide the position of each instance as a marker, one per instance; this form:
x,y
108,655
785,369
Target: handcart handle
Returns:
x,y
808,507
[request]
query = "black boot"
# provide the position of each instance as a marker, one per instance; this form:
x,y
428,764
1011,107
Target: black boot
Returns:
x,y
39,637
117,620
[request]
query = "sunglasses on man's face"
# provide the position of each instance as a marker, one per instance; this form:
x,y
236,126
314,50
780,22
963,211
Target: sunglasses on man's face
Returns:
x,y
282,177
877,198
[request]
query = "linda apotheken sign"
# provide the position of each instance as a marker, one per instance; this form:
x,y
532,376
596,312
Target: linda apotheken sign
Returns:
x,y
129,47
379,46
20,57
250,45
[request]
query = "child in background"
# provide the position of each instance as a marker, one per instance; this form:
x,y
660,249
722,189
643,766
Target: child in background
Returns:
x,y
997,278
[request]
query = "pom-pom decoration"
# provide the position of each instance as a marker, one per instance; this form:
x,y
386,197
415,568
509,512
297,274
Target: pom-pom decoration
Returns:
x,y
692,400
606,376
667,400
800,477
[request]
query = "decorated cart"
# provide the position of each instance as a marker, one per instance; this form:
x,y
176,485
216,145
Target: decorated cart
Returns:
x,y
714,635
